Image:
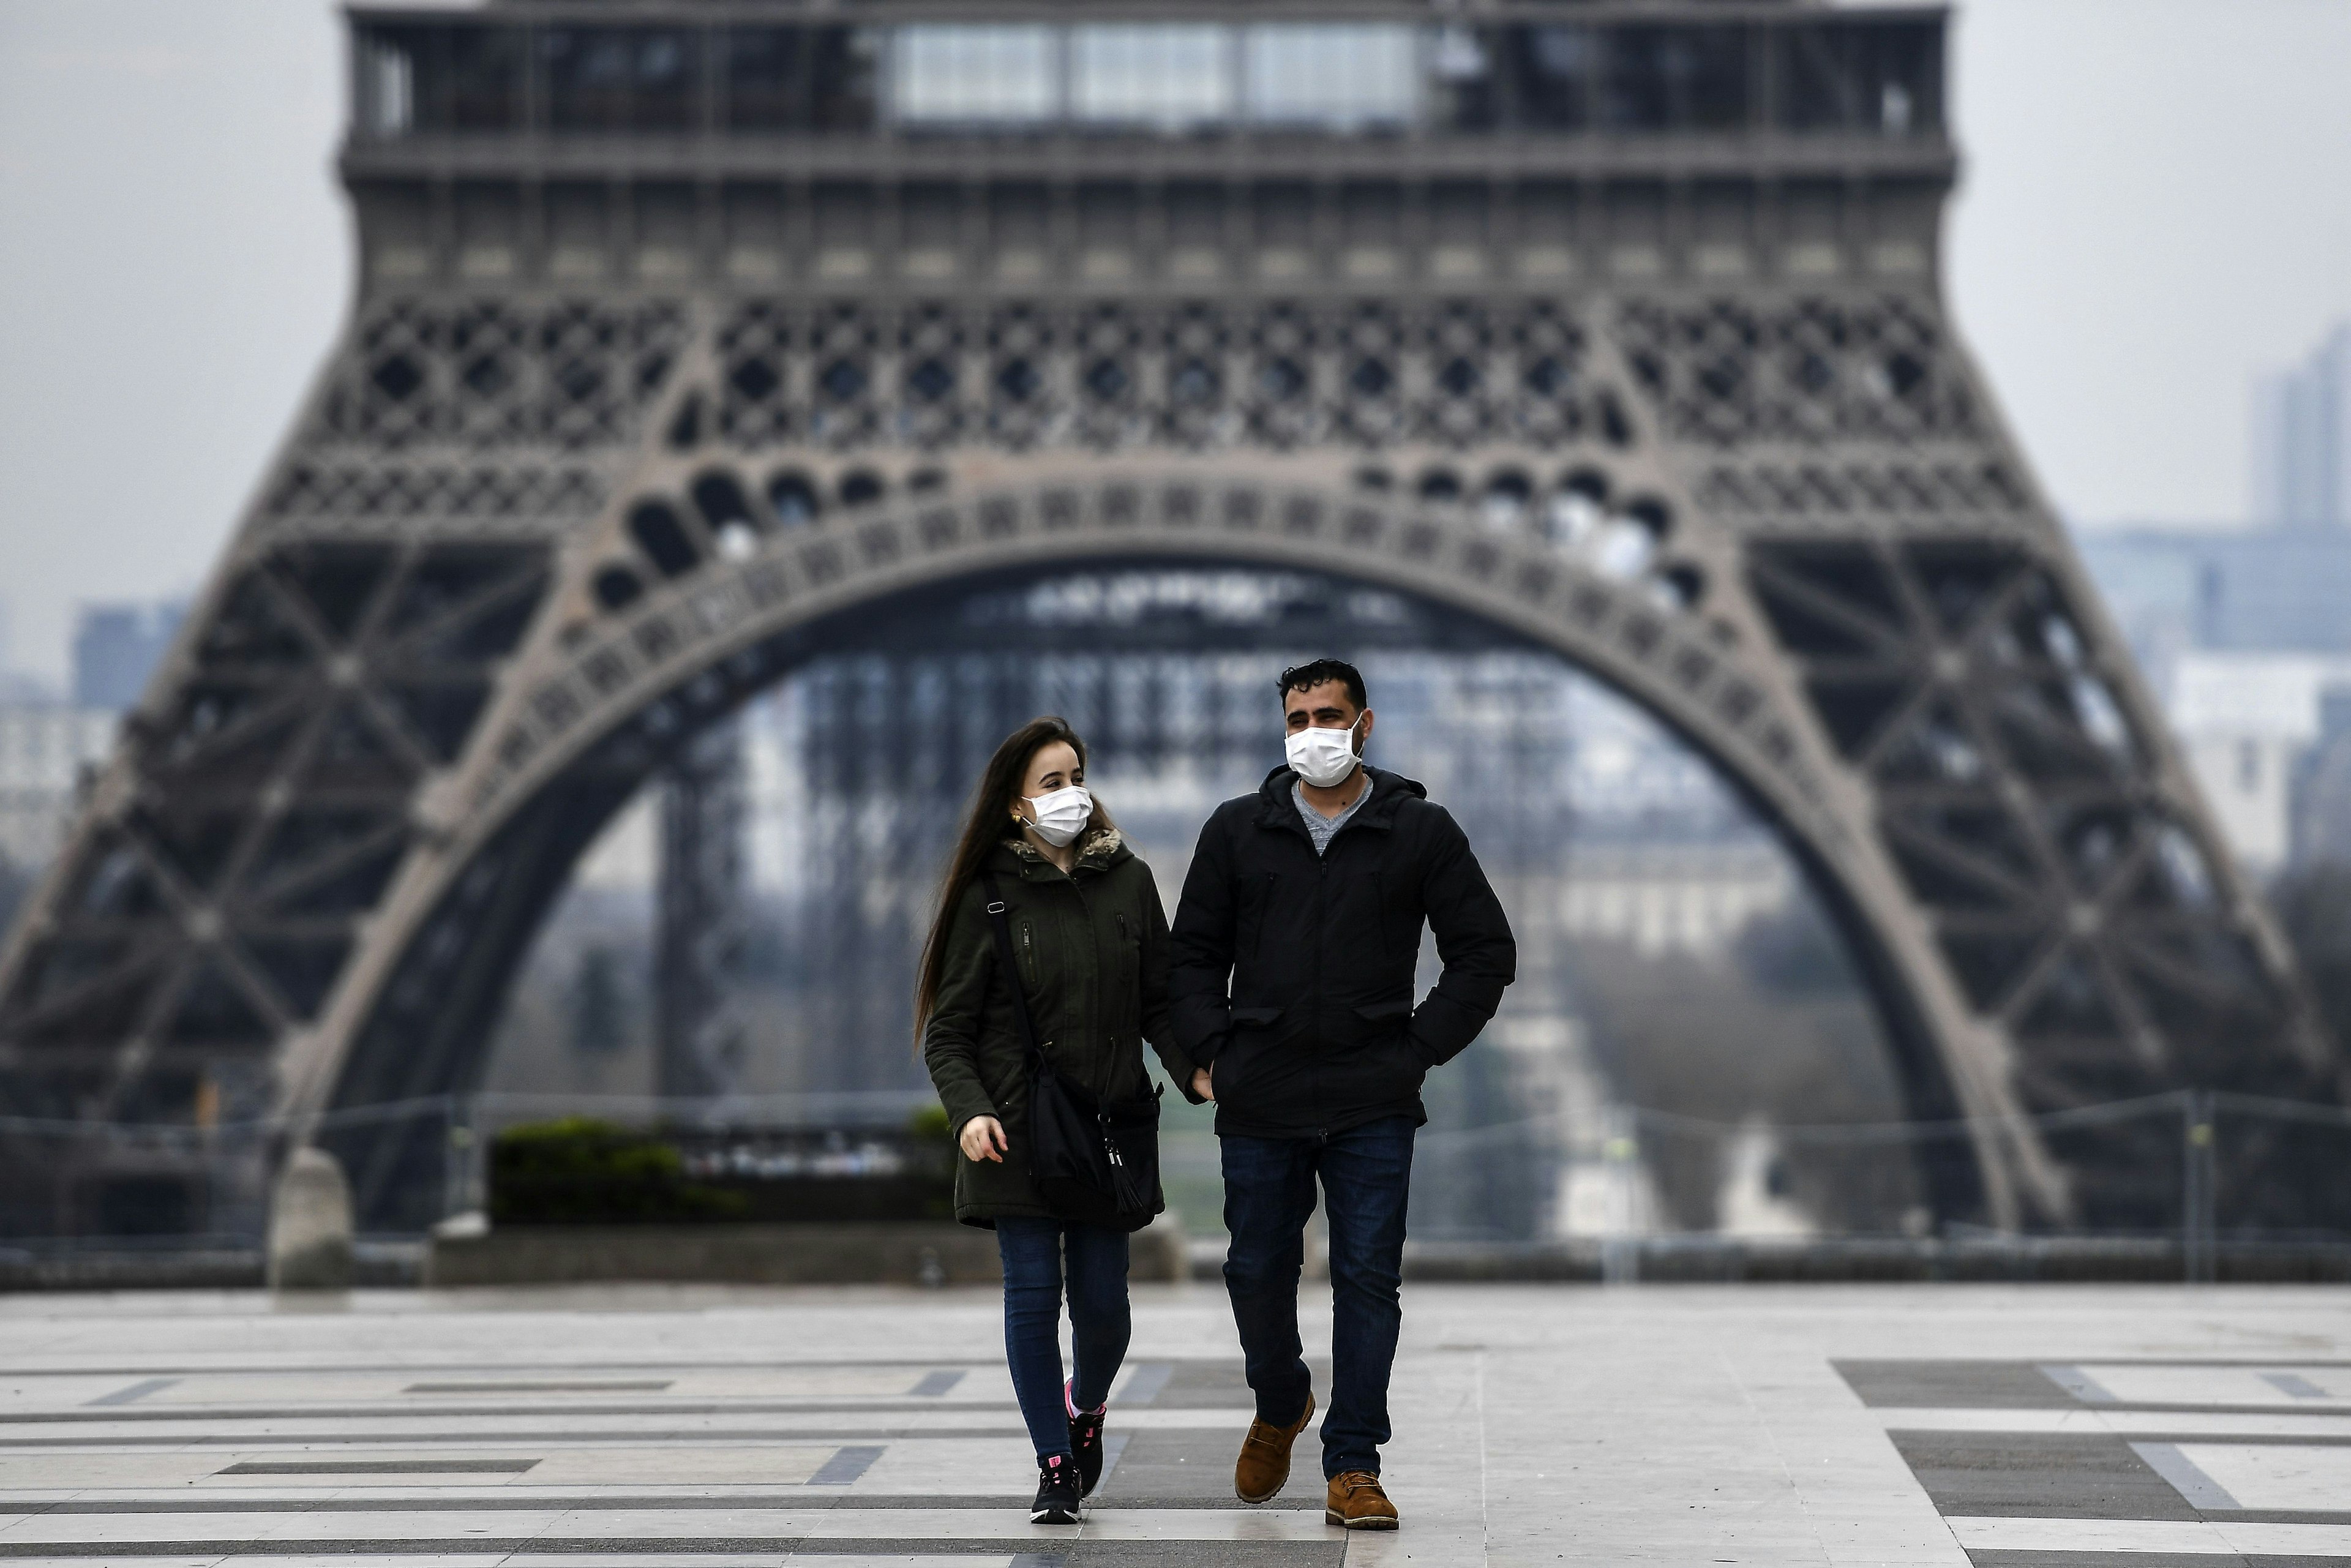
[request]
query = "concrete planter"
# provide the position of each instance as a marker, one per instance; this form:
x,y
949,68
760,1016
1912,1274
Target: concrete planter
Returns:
x,y
850,1254
919,1253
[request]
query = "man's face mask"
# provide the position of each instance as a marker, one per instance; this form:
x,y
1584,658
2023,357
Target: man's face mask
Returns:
x,y
1323,757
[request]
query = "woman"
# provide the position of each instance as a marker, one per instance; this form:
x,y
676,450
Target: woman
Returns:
x,y
1090,940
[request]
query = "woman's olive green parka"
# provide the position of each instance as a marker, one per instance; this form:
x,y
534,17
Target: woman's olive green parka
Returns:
x,y
1093,949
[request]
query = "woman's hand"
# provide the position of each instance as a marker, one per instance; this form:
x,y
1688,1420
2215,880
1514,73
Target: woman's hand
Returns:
x,y
1203,1085
983,1139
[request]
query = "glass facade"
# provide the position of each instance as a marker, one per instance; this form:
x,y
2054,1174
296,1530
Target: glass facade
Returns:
x,y
1171,78
1333,76
977,76
1860,76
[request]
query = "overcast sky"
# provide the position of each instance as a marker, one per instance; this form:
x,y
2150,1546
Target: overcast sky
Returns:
x,y
2157,203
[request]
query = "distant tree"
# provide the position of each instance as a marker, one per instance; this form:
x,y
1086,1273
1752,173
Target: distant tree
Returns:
x,y
16,882
2314,908
599,1000
1795,953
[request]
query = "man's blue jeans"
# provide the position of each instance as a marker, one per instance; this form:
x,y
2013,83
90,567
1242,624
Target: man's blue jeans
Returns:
x,y
1366,1174
1033,1251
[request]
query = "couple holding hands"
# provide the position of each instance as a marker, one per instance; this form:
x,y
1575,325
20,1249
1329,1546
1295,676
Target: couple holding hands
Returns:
x,y
1283,992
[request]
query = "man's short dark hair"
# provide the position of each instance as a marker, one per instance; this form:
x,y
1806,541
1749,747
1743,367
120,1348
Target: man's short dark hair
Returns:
x,y
1301,677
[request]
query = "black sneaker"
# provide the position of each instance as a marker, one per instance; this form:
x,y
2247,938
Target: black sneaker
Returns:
x,y
1057,1492
1086,1442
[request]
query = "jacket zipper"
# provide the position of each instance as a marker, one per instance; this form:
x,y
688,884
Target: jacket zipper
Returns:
x,y
1322,892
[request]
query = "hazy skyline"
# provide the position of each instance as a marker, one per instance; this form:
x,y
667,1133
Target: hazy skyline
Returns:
x,y
2151,213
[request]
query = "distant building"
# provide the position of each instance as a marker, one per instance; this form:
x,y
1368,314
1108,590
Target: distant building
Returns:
x,y
50,742
2301,440
2228,590
2249,721
2322,787
1673,897
116,648
2245,634
45,747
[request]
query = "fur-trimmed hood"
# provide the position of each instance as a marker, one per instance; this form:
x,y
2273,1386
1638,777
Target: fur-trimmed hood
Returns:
x,y
1100,848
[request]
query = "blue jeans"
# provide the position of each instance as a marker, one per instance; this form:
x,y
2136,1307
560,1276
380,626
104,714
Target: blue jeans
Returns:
x,y
1366,1175
1033,1251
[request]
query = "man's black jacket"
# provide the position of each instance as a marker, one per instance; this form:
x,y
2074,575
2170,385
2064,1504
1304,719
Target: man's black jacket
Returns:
x,y
1317,1032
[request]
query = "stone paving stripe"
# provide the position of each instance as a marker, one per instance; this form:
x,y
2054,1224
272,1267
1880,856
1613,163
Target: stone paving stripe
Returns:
x,y
379,1467
1113,1449
990,1558
2160,1386
641,1529
2202,1424
2200,1489
1224,1385
601,1385
362,1500
136,1391
934,1385
295,1365
212,1414
1969,1385
521,1438
2079,1384
2203,1538
566,1426
2130,1560
2272,1477
2035,1476
930,1554
987,1558
1144,1383
916,1553
843,1469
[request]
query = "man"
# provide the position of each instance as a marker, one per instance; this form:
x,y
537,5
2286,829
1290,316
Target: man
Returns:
x,y
1292,990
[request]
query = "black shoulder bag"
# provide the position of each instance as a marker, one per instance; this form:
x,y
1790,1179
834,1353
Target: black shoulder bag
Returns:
x,y
1093,1161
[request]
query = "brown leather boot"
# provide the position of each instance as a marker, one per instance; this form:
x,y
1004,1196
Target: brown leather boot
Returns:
x,y
1357,1502
1264,1463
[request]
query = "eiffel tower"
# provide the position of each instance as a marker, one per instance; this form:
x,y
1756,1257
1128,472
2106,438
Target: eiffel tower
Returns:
x,y
688,338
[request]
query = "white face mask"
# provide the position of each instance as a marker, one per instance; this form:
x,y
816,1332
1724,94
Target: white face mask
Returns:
x,y
1060,815
1323,757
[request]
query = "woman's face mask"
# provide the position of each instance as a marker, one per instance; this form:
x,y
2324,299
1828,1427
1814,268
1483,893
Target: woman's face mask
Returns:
x,y
1323,757
1059,815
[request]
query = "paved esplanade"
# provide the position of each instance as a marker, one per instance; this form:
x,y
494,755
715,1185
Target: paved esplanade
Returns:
x,y
1536,1425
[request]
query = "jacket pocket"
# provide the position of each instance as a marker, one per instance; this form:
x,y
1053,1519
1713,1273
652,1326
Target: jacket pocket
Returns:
x,y
1367,1027
1385,1067
1244,1054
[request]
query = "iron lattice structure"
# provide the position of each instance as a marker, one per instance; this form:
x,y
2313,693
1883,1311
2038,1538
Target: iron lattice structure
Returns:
x,y
689,340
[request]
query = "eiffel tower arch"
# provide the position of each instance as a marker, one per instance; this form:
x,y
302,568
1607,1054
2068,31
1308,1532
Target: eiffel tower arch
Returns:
x,y
687,338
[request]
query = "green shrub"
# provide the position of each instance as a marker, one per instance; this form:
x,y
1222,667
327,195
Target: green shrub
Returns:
x,y
582,1171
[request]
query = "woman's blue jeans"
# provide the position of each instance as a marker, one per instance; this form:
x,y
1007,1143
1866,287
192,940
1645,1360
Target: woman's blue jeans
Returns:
x,y
1034,1251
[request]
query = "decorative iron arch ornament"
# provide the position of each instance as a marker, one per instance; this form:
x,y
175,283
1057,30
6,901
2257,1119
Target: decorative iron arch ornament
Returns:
x,y
594,460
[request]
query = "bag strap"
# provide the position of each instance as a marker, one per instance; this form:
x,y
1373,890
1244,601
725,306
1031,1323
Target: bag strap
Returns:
x,y
1000,922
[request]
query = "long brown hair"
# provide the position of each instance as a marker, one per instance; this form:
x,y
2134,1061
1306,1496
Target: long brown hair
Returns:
x,y
986,825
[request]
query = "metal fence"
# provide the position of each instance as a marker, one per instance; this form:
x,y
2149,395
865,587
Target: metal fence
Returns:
x,y
2208,1172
